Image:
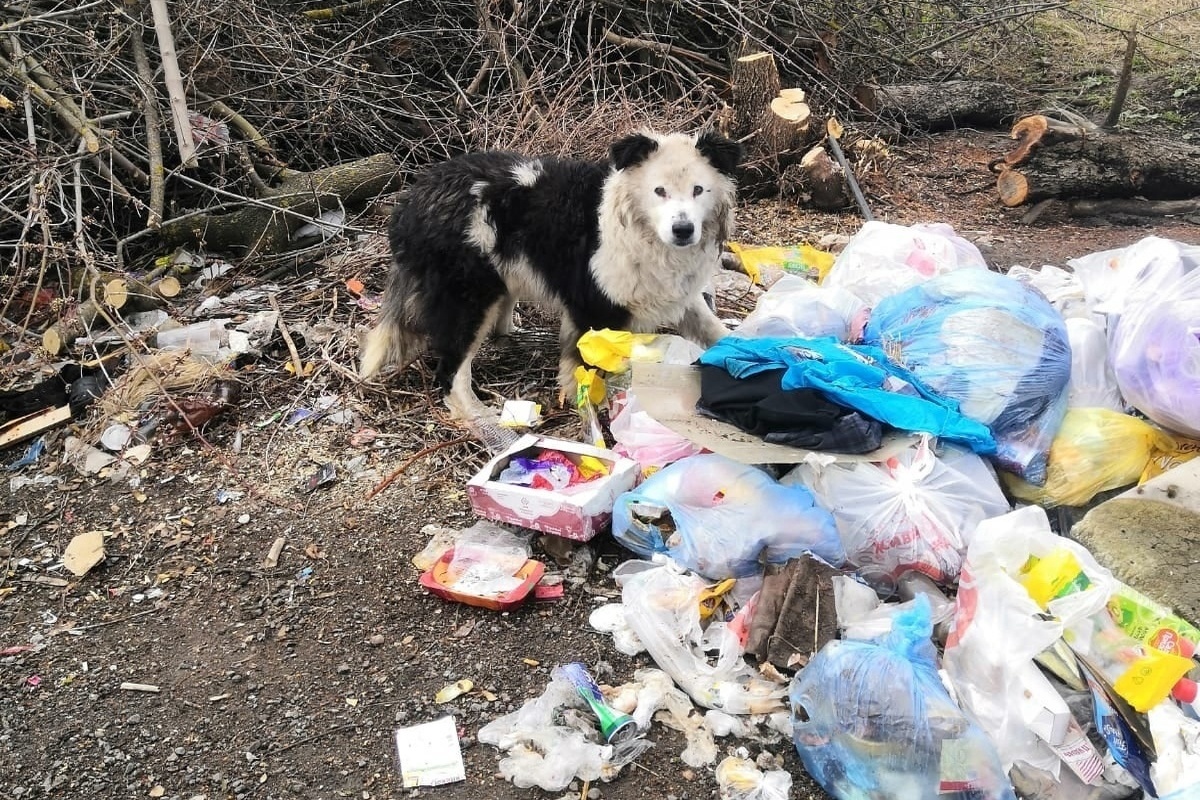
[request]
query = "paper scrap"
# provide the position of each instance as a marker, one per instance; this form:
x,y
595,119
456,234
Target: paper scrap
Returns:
x,y
84,552
430,754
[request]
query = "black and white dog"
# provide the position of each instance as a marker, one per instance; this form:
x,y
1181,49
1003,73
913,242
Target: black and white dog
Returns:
x,y
627,244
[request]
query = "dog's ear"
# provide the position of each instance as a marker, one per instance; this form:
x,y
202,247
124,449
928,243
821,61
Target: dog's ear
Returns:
x,y
722,153
632,150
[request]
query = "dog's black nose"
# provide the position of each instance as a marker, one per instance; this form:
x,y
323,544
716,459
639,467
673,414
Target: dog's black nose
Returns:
x,y
682,231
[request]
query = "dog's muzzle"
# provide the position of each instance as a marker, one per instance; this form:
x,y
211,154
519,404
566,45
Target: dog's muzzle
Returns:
x,y
683,231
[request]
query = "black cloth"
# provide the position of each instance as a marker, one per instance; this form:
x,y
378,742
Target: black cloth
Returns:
x,y
797,417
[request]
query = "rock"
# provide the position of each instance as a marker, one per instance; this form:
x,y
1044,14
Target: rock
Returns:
x,y
1150,538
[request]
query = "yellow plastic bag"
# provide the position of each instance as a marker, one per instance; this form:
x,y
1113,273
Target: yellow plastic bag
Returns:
x,y
611,350
765,265
1096,449
1161,461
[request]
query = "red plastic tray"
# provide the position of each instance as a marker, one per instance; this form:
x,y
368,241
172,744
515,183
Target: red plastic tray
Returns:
x,y
434,581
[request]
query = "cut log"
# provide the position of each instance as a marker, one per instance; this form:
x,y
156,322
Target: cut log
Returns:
x,y
775,125
1039,130
62,334
939,106
1067,162
1134,207
825,180
263,228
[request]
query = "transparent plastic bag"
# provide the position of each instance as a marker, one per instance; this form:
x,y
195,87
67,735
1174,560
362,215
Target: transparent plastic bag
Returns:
x,y
794,306
1063,289
767,265
644,439
486,560
1118,280
1093,383
914,511
741,779
662,606
872,719
723,519
882,259
992,344
1155,353
1095,450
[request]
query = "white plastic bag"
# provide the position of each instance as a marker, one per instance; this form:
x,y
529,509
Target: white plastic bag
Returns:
x,y
1117,280
1155,354
794,306
662,606
1093,383
914,511
1063,289
999,628
741,779
883,259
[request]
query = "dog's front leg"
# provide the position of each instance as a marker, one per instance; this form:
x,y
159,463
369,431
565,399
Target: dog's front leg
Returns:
x,y
700,324
568,359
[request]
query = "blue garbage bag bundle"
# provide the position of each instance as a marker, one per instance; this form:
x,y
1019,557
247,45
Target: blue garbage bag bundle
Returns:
x,y
872,719
722,519
992,344
855,376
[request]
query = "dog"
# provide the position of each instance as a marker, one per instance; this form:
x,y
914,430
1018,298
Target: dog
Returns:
x,y
628,243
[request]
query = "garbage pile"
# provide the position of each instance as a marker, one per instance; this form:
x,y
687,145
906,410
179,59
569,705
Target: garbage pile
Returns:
x,y
873,575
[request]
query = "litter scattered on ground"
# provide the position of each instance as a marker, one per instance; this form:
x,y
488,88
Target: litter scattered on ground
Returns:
x,y
837,516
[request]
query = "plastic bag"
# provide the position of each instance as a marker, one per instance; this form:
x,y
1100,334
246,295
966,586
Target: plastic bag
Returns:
x,y
1117,280
767,265
1093,383
883,259
662,606
644,439
486,560
872,719
612,351
796,307
1063,289
546,747
914,511
1155,353
992,344
741,779
998,629
1095,450
723,519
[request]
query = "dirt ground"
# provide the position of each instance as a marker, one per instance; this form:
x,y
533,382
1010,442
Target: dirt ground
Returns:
x,y
287,682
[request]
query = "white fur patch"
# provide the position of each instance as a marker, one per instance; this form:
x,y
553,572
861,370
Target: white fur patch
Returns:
x,y
527,173
480,231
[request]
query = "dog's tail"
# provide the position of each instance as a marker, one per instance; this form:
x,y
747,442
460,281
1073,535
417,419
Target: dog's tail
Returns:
x,y
393,340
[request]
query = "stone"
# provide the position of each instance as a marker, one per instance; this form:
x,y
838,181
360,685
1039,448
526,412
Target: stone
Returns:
x,y
1150,538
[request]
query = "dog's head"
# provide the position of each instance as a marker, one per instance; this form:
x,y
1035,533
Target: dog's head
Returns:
x,y
681,185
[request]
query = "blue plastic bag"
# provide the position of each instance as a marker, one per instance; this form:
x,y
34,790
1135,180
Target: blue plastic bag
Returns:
x,y
872,719
723,519
994,345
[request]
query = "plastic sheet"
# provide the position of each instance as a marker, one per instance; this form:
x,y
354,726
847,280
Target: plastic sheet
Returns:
x,y
1093,383
741,779
992,344
723,519
1155,353
797,307
914,511
662,607
872,719
644,439
1095,450
883,259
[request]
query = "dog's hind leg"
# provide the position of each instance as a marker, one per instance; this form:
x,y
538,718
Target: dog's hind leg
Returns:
x,y
456,346
504,317
700,324
389,342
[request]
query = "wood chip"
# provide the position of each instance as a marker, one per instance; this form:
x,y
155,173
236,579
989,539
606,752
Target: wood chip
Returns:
x,y
139,687
272,558
84,552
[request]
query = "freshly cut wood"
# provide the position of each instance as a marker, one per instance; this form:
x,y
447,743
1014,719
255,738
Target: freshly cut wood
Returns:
x,y
939,106
825,180
1067,161
18,430
62,334
774,124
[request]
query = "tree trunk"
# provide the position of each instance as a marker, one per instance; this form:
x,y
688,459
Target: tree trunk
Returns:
x,y
825,180
1061,160
939,106
775,125
254,228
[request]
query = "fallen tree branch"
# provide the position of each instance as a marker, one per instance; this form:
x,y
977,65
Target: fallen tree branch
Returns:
x,y
665,48
174,81
145,80
61,106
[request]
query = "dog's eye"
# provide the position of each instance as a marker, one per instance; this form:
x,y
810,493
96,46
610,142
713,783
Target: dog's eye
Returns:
x,y
660,191
697,191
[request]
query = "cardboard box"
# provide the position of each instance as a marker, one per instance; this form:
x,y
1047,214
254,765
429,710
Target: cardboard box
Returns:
x,y
579,513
